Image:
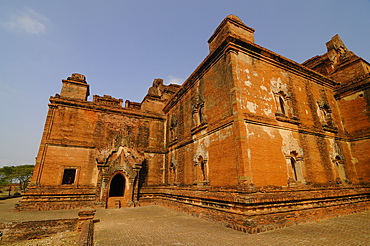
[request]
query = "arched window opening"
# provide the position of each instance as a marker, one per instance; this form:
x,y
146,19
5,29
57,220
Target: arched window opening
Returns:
x,y
200,112
282,105
117,186
340,169
173,128
325,116
294,169
202,167
198,115
173,173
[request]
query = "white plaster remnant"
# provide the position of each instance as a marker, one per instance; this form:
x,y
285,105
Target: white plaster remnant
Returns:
x,y
247,83
203,132
331,142
221,135
248,73
353,159
252,107
267,111
255,73
306,111
218,136
276,82
249,133
269,131
207,141
353,96
290,143
320,114
246,58
334,149
239,99
277,85
201,150
267,98
263,88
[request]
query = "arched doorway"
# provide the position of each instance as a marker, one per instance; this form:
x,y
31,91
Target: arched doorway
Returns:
x,y
117,186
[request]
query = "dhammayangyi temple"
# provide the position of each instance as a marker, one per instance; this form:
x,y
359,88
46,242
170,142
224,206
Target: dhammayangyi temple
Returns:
x,y
251,139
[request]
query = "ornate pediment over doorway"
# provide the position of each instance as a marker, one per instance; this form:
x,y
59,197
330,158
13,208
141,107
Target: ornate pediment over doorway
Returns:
x,y
119,172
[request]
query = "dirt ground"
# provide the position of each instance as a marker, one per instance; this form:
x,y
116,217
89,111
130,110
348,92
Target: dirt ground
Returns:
x,y
63,238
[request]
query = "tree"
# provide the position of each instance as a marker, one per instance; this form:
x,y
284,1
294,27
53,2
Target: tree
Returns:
x,y
7,176
19,174
23,174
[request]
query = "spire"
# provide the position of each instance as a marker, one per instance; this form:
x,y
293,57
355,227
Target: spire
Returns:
x,y
336,44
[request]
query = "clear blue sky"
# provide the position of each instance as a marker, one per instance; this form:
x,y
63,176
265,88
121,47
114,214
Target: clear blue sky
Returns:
x,y
121,46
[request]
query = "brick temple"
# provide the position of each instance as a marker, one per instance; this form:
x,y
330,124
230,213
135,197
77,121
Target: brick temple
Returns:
x,y
251,139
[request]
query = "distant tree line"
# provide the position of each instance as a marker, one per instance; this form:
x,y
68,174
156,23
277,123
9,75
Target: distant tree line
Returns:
x,y
10,175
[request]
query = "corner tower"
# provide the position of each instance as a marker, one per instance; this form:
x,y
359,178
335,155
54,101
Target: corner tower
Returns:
x,y
75,87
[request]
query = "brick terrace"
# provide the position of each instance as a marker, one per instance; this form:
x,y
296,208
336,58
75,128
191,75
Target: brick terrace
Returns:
x,y
156,225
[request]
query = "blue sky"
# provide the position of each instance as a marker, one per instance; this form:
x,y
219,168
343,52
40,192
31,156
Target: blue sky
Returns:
x,y
121,46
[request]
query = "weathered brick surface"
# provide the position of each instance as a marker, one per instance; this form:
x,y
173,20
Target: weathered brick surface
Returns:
x,y
261,210
17,231
247,119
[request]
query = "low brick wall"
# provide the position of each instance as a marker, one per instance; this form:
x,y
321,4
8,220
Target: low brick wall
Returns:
x,y
18,231
258,211
51,198
87,233
86,226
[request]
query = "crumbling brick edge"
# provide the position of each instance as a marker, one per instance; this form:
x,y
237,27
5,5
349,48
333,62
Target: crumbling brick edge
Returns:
x,y
87,233
259,212
86,227
26,230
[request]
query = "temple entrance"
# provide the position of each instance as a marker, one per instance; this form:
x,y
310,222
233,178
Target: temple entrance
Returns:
x,y
120,169
117,186
116,198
